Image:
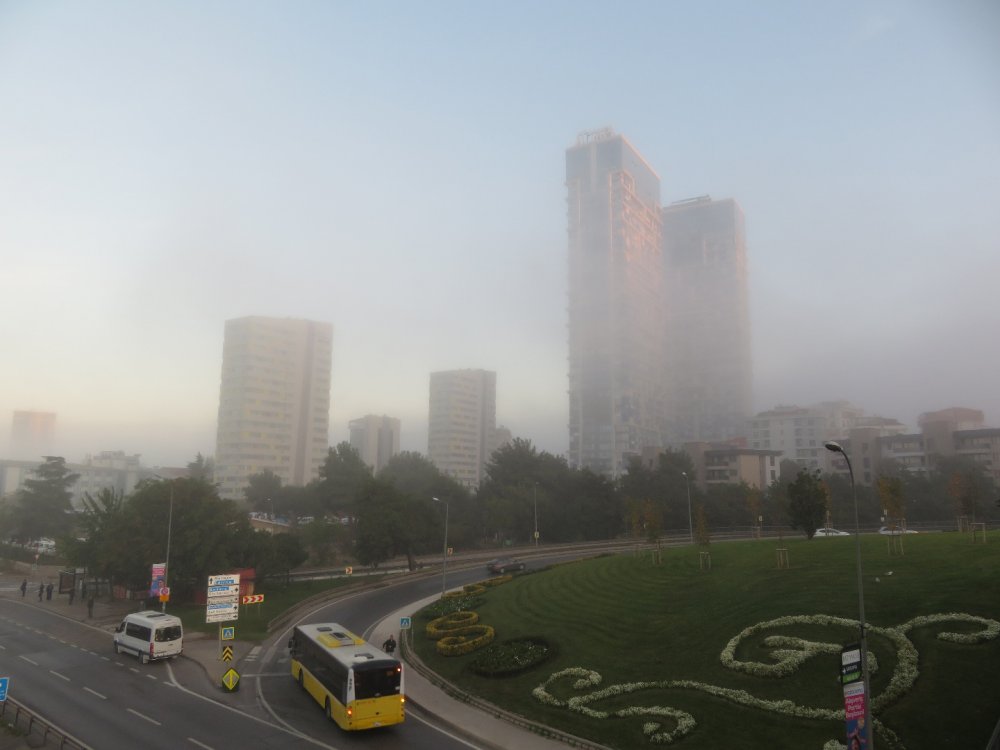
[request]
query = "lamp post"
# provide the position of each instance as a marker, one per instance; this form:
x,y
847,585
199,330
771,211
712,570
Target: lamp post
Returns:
x,y
838,448
687,481
536,515
170,524
444,557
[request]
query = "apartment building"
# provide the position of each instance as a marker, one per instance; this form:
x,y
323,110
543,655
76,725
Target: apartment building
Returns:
x,y
376,439
708,320
617,378
274,401
461,432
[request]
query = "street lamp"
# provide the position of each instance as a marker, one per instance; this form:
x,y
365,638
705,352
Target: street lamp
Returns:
x,y
170,524
838,448
444,557
687,481
536,515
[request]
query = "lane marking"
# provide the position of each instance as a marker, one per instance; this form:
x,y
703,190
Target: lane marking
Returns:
x,y
143,716
29,660
151,676
60,676
200,744
94,692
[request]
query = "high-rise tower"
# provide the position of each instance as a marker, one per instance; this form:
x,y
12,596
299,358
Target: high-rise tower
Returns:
x,y
708,320
461,431
274,402
616,341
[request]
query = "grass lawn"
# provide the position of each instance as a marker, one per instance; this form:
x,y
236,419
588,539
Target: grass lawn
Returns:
x,y
252,623
632,621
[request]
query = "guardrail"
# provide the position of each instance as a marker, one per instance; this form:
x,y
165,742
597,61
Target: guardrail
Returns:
x,y
34,726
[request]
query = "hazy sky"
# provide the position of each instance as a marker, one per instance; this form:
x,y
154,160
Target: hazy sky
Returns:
x,y
397,169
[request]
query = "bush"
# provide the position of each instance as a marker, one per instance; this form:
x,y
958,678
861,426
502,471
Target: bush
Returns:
x,y
512,656
460,641
450,624
443,607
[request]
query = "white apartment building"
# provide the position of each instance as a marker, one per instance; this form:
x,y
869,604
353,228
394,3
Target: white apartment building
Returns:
x,y
376,439
274,401
461,430
800,433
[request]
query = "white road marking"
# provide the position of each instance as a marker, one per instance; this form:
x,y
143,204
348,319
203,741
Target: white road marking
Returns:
x,y
94,692
30,661
60,676
200,744
143,716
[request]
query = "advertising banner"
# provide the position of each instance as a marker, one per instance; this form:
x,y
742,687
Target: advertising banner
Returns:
x,y
852,677
159,573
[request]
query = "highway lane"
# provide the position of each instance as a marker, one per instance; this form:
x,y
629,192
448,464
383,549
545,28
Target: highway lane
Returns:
x,y
68,672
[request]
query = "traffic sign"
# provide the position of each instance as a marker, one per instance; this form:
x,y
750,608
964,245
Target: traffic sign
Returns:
x,y
227,653
228,633
348,570
227,579
4,683
222,612
404,623
252,599
231,680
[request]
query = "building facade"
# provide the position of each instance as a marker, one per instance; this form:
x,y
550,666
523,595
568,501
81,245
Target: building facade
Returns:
x,y
708,320
32,434
274,401
800,433
461,431
376,439
617,401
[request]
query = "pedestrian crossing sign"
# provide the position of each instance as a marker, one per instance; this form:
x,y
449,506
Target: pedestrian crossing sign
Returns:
x,y
404,623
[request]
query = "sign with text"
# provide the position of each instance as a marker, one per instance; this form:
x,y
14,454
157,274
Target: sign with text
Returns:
x,y
852,677
223,598
4,683
157,578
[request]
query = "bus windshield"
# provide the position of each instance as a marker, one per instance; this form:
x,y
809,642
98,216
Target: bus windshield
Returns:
x,y
376,680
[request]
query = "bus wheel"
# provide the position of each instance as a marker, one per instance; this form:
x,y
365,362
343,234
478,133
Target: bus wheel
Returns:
x,y
329,712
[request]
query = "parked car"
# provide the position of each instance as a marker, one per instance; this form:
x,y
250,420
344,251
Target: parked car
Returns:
x,y
885,530
830,532
504,565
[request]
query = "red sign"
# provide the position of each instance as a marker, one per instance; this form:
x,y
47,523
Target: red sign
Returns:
x,y
252,599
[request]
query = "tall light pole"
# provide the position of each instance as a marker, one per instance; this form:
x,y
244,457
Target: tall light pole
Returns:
x,y
170,524
687,481
838,448
536,514
444,557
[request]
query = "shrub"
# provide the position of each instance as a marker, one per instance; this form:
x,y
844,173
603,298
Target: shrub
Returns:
x,y
512,656
460,641
449,605
450,624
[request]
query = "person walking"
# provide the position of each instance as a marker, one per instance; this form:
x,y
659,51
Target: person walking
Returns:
x,y
390,645
48,593
24,587
41,590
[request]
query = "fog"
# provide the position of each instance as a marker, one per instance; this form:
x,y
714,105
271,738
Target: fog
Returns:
x,y
398,171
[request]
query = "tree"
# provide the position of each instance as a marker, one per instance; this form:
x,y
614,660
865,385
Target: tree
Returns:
x,y
342,478
807,502
43,503
262,489
201,468
890,492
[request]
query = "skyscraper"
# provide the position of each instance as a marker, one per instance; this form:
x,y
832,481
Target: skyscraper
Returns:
x,y
376,439
616,341
708,320
274,401
462,422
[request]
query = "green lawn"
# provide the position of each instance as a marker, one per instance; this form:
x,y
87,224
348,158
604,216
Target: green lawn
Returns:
x,y
633,621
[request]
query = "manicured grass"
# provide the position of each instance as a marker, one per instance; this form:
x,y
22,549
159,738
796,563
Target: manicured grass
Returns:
x,y
633,621
253,619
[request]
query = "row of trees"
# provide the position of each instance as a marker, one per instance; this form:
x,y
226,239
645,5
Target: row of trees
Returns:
x,y
360,518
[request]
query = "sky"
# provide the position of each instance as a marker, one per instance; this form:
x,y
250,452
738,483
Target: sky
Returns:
x,y
397,169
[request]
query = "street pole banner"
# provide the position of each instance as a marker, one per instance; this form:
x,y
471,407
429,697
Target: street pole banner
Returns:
x,y
852,677
157,575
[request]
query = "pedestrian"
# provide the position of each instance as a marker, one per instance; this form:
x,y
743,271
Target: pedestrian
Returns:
x,y
24,587
390,645
41,590
72,593
90,607
48,593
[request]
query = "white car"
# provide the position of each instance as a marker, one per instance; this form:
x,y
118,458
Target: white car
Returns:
x,y
886,531
830,532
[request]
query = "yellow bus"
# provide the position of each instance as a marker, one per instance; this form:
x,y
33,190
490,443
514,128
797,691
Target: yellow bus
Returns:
x,y
358,685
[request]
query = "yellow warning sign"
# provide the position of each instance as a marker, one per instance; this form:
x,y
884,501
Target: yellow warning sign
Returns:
x,y
227,653
231,680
